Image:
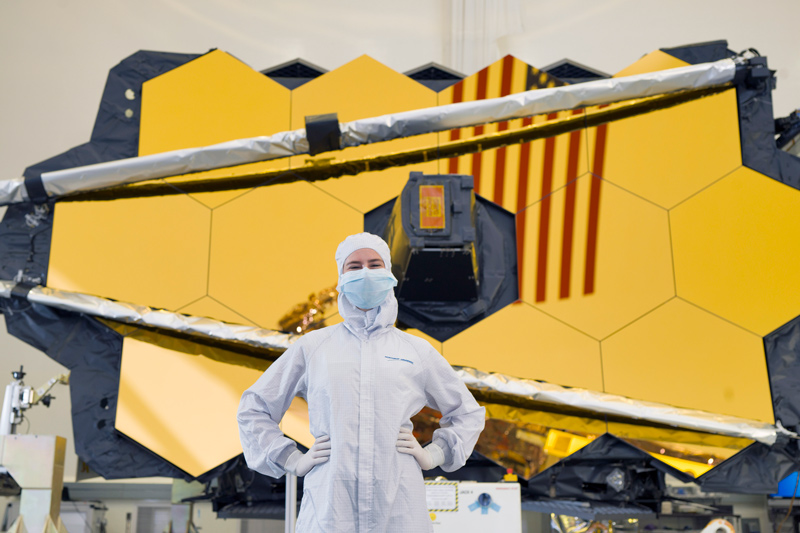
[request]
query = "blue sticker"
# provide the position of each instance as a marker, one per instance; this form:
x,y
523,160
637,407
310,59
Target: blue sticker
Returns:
x,y
484,502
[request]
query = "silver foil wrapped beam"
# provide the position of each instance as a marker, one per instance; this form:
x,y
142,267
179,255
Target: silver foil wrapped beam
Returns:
x,y
377,129
276,342
611,404
156,318
327,169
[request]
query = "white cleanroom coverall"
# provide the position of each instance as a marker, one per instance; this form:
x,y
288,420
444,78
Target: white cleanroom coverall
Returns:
x,y
363,380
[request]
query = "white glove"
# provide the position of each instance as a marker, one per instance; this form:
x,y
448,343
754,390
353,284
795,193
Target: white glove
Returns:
x,y
300,463
428,457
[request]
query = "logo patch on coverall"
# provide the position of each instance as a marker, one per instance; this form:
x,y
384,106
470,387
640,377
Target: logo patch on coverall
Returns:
x,y
398,359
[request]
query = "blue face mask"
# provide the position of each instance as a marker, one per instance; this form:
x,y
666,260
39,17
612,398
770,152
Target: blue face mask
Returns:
x,y
368,287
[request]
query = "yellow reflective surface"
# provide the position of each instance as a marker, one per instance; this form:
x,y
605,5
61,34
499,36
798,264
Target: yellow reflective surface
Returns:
x,y
149,251
209,307
182,345
666,156
522,341
693,468
333,319
311,314
737,245
212,99
549,419
364,88
681,439
510,177
531,440
651,62
692,459
563,444
273,246
181,406
257,254
682,355
632,261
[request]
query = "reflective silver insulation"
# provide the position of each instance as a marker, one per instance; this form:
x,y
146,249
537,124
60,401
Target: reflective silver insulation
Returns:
x,y
376,129
611,404
158,318
536,102
13,191
593,401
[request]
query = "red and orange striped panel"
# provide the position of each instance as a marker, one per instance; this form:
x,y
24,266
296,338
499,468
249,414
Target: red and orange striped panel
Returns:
x,y
517,177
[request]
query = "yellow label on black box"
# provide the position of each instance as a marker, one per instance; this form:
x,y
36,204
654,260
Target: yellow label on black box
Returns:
x,y
431,207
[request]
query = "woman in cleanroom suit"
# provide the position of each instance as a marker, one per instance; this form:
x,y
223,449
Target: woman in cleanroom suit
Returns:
x,y
363,380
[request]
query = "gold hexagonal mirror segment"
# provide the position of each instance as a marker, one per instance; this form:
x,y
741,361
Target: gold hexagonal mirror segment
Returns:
x,y
274,246
658,157
510,176
180,405
656,60
149,251
212,99
684,356
596,257
523,342
360,89
736,245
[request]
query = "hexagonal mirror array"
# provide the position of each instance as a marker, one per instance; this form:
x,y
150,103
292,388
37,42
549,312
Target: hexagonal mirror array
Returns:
x,y
645,251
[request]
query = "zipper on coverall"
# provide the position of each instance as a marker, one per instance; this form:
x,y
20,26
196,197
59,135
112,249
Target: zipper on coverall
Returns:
x,y
366,442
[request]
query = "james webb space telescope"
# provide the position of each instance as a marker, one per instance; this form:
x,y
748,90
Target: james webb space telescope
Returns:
x,y
453,253
146,248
